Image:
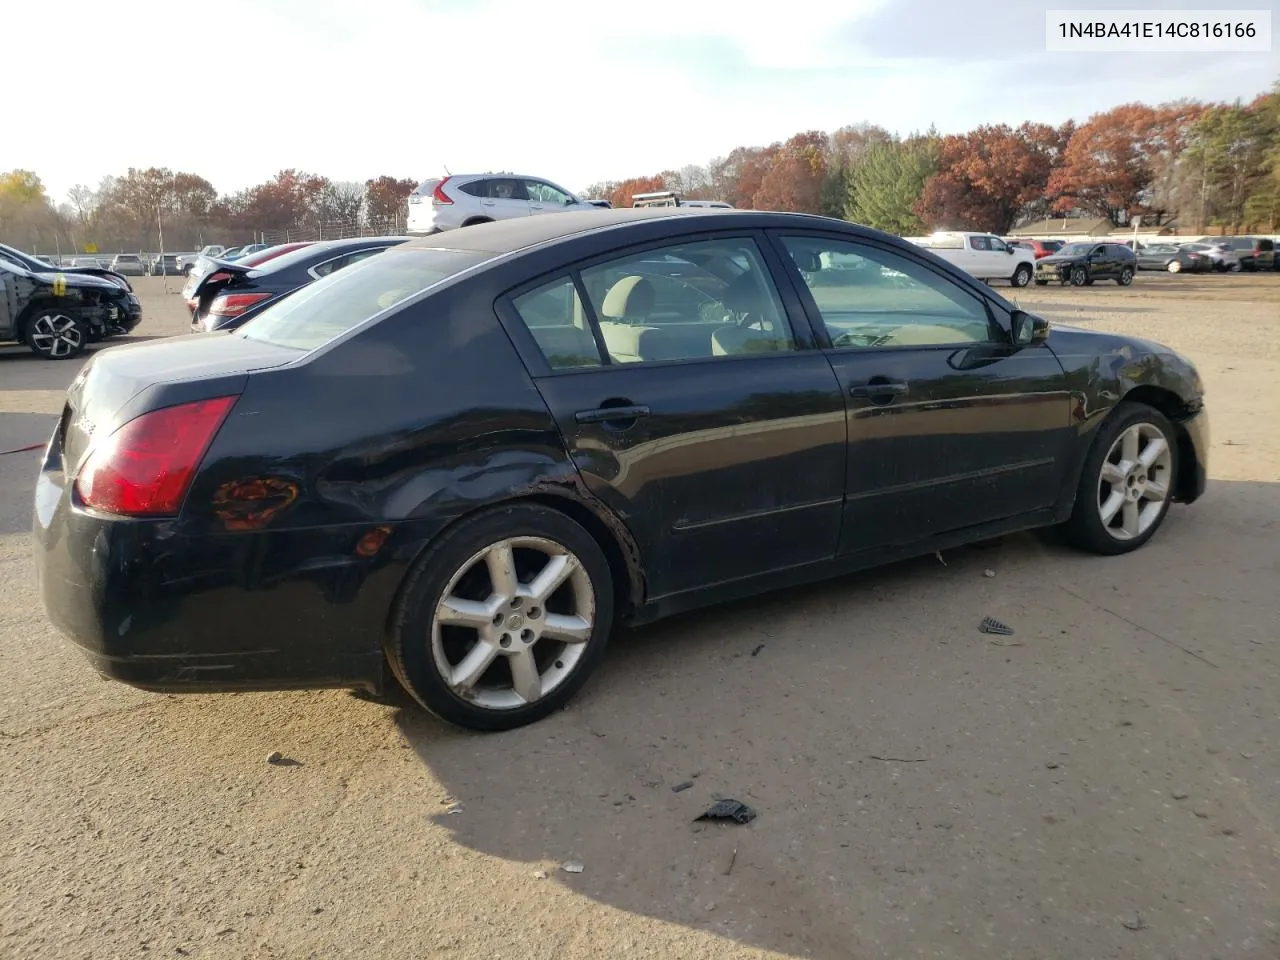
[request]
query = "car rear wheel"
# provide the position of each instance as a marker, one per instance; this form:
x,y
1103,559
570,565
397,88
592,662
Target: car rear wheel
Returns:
x,y
1022,276
1127,482
1174,266
503,620
55,335
474,220
1126,277
1079,276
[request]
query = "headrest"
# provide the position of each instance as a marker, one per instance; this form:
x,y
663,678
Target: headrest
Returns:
x,y
629,297
743,296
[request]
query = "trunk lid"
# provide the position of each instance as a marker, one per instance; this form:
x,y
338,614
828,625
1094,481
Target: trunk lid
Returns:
x,y
202,286
102,396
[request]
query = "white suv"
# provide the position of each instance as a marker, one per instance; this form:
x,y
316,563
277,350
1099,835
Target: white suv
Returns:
x,y
459,200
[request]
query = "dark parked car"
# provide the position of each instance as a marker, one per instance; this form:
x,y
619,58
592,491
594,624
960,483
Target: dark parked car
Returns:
x,y
470,455
165,265
1256,253
58,313
32,264
231,293
1174,259
206,265
1084,262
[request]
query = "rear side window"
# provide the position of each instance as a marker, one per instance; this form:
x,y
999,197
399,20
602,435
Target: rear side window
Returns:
x,y
1053,246
332,305
1265,245
324,269
979,243
554,315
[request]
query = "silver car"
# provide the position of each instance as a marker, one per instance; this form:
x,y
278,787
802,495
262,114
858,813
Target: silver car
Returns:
x,y
128,265
1220,255
459,200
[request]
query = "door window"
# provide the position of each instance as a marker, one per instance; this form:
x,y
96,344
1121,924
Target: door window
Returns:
x,y
979,243
554,316
699,300
996,245
540,192
882,299
337,263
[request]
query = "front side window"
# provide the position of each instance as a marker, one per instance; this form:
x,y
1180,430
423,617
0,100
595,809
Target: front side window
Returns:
x,y
332,305
881,299
540,192
324,269
697,300
997,245
554,315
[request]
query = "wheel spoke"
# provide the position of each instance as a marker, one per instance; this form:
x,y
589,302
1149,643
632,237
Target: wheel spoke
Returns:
x,y
472,667
555,573
1155,492
1112,473
570,629
1112,506
1153,451
525,679
1129,444
502,569
464,613
1132,517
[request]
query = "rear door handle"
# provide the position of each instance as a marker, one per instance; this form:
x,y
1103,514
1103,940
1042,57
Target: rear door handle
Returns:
x,y
608,414
886,388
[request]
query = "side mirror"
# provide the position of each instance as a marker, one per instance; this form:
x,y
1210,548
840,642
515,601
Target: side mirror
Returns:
x,y
1028,329
1009,251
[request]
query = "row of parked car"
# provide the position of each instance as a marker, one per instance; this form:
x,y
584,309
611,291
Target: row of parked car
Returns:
x,y
155,265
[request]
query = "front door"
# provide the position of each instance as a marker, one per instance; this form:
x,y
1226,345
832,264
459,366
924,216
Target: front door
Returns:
x,y
503,198
691,407
547,198
950,426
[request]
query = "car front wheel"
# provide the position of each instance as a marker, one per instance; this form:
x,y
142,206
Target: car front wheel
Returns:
x,y
1079,276
1022,276
503,620
56,335
1174,267
1127,482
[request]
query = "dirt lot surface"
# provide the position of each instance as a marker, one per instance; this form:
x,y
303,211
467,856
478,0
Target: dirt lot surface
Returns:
x,y
1104,784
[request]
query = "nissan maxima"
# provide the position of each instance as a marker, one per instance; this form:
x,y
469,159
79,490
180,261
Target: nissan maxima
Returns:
x,y
462,461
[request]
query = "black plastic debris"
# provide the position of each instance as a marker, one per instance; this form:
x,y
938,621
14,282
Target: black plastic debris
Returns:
x,y
728,810
680,787
992,625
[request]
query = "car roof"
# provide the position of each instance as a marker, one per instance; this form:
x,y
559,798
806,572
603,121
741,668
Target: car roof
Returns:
x,y
519,233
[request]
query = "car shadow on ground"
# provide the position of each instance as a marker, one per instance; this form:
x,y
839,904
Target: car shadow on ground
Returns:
x,y
905,767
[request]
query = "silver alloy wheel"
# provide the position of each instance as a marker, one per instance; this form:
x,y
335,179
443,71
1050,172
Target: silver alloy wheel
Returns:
x,y
1175,266
539,625
1078,276
1021,276
1134,481
56,335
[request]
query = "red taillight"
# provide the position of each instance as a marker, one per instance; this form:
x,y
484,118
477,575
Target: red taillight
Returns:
x,y
438,196
145,467
234,304
218,277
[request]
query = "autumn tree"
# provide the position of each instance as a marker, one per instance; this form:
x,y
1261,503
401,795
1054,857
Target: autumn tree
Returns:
x,y
794,178
987,176
341,202
887,181
690,182
287,200
1107,166
27,217
385,197
621,194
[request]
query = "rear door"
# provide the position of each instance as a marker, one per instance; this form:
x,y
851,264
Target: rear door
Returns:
x,y
694,409
8,305
950,425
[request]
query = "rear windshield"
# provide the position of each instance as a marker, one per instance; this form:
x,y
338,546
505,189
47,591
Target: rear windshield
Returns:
x,y
1051,245
346,298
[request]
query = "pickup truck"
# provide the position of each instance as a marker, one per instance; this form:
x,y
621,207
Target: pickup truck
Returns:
x,y
984,256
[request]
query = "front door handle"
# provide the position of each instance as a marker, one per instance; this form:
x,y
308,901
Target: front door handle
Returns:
x,y
879,387
610,414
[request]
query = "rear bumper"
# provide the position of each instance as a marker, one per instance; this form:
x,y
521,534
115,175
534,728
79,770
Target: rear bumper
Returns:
x,y
166,612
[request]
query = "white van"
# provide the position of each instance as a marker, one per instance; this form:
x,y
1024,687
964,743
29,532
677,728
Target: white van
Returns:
x,y
983,255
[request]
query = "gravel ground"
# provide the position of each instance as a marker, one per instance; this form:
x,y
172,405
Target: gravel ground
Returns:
x,y
1104,784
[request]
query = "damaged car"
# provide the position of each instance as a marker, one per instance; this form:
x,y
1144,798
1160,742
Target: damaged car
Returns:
x,y
90,267
57,314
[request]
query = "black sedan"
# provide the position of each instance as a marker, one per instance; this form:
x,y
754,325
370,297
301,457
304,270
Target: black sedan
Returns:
x,y
1166,256
25,261
230,293
57,313
470,456
1082,263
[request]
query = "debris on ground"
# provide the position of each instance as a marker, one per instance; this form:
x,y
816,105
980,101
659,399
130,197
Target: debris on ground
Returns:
x,y
1179,794
938,554
756,651
988,573
992,625
728,809
1051,765
275,756
732,860
572,866
1137,923
682,786
539,874
897,759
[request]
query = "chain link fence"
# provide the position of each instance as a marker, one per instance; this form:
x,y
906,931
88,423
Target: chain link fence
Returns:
x,y
336,230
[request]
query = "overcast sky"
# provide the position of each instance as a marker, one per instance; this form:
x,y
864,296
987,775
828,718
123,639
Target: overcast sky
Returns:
x,y
571,90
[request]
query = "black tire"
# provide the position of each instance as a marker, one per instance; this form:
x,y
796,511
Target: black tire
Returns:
x,y
409,644
1085,528
1022,276
1042,283
474,220
1079,276
1126,277
68,332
